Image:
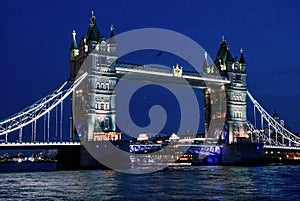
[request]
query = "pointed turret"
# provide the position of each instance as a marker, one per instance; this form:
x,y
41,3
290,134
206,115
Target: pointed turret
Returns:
x,y
74,48
205,63
242,58
242,61
74,42
93,33
222,55
112,49
112,45
229,60
229,57
112,35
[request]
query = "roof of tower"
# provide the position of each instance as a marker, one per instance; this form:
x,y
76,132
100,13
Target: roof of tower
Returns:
x,y
222,53
229,56
112,36
242,58
74,43
93,33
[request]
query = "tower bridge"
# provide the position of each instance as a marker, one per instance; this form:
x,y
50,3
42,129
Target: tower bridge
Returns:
x,y
95,71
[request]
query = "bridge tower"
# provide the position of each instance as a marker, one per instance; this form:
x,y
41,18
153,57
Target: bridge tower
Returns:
x,y
96,56
230,98
236,92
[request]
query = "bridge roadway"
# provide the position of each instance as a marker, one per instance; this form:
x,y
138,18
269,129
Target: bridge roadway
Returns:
x,y
281,147
37,145
58,145
266,147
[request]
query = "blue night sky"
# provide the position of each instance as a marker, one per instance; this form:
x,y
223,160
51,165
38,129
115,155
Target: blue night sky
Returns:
x,y
35,39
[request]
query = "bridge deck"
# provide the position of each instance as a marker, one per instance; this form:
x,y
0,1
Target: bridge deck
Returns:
x,y
281,147
37,145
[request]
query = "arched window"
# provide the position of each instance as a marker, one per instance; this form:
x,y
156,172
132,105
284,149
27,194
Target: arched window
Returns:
x,y
97,85
107,86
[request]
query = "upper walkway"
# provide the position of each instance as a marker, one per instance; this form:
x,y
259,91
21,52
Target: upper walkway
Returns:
x,y
169,76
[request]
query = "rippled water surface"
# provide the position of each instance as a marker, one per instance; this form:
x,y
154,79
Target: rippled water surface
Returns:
x,y
173,183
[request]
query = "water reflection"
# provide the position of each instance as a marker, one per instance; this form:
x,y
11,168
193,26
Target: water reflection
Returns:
x,y
172,183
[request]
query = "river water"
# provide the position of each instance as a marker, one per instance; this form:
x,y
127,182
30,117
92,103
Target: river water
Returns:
x,y
172,183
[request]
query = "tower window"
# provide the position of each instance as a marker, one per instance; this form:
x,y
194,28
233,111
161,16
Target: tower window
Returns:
x,y
237,115
102,124
102,106
106,123
97,85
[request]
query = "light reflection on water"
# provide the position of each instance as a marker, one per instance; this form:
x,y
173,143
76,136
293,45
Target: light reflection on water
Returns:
x,y
174,183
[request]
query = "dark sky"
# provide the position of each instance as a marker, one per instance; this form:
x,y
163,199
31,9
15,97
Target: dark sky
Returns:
x,y
35,38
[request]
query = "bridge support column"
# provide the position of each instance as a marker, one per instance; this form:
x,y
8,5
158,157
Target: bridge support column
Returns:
x,y
68,158
243,154
104,155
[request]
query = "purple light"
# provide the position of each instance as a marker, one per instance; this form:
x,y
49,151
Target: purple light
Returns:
x,y
257,148
97,146
105,146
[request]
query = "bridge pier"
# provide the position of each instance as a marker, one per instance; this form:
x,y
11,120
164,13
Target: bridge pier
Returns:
x,y
87,161
68,158
104,155
243,154
94,155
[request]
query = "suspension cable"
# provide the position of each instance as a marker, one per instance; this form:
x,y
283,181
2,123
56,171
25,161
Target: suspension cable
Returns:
x,y
61,121
286,134
55,124
39,108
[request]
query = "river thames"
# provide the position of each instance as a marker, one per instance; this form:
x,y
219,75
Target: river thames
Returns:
x,y
172,183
